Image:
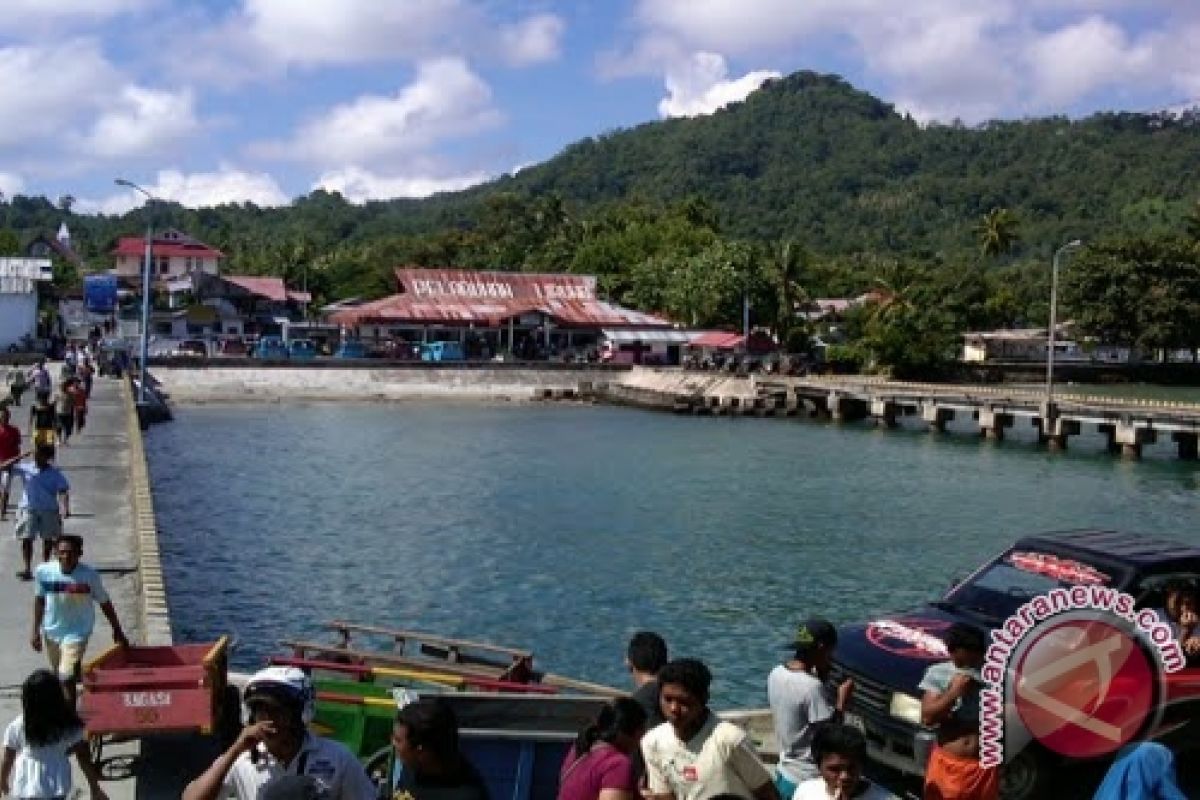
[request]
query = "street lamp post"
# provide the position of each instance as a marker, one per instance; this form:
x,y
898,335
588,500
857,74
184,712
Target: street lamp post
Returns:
x,y
146,268
1071,245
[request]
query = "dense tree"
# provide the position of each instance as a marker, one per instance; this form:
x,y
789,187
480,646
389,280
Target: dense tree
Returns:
x,y
998,232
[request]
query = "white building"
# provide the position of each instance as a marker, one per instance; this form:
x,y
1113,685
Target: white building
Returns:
x,y
19,278
173,255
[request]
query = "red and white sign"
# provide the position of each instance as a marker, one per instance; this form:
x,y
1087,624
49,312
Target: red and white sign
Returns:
x,y
1060,569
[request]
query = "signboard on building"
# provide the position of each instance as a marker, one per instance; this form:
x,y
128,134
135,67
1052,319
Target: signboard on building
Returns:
x,y
458,285
100,293
18,275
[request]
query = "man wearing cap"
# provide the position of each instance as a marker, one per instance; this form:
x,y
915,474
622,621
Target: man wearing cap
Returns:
x,y
276,743
800,701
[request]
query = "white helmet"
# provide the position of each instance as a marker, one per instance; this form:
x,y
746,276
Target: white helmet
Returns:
x,y
287,685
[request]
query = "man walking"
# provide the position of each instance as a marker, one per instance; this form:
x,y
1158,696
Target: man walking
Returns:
x,y
39,376
63,611
10,453
39,515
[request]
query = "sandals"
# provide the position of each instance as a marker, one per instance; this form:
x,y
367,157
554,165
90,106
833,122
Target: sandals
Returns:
x,y
25,575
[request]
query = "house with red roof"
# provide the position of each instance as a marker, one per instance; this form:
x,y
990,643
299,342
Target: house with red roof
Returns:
x,y
173,255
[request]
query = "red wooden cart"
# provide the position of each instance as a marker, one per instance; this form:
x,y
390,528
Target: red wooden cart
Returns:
x,y
140,691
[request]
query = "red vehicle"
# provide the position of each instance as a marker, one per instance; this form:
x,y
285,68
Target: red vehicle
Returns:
x,y
137,691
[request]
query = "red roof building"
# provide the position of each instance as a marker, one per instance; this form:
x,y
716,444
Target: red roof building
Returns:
x,y
465,298
173,255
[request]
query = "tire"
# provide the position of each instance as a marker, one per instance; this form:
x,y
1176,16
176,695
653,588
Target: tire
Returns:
x,y
1028,776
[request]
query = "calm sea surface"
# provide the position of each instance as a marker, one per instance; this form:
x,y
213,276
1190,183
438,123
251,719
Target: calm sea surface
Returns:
x,y
564,529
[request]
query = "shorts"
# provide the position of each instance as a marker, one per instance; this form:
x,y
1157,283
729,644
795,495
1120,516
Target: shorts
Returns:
x,y
43,436
66,658
31,524
950,777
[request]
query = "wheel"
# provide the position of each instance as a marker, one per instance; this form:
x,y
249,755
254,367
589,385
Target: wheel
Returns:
x,y
1027,776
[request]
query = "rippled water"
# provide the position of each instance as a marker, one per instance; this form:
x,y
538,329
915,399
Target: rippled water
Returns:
x,y
564,529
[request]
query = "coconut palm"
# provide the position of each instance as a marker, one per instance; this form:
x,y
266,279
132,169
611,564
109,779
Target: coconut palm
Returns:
x,y
998,232
786,266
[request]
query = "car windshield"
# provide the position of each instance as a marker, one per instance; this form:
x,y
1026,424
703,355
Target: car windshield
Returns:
x,y
1010,581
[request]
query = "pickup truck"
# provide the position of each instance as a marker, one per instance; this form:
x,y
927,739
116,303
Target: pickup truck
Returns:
x,y
887,657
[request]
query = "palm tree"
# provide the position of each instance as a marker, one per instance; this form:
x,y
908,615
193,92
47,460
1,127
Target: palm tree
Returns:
x,y
786,267
998,232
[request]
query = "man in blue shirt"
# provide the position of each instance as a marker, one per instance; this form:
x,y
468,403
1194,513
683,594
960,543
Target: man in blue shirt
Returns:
x,y
38,513
64,613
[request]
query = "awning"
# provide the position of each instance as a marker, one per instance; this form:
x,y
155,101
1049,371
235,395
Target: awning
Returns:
x,y
718,340
646,336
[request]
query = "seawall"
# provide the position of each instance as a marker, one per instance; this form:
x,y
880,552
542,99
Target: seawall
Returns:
x,y
255,381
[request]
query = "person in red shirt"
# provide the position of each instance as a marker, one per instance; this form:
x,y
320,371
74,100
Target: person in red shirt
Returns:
x,y
10,453
79,393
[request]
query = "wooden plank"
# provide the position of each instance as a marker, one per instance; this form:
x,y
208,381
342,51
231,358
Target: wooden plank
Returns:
x,y
587,687
393,660
449,643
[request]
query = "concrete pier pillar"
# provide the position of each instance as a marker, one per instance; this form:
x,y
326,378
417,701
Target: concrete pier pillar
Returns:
x,y
884,413
992,423
1188,444
1109,432
1055,436
835,404
1130,437
936,417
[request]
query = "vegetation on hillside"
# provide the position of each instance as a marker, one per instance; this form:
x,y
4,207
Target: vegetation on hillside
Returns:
x,y
807,189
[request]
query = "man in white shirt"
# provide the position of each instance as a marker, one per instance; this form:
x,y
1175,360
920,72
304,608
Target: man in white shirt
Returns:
x,y
695,755
277,743
840,752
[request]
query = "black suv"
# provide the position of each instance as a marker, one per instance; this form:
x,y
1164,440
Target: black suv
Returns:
x,y
887,657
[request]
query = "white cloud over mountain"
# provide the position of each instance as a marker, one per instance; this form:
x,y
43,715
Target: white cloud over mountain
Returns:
x,y
700,85
445,100
196,190
359,185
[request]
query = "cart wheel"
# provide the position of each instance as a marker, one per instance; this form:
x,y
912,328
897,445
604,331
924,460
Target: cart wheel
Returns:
x,y
229,725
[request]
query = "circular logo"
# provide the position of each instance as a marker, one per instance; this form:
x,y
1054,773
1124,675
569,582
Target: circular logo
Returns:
x,y
1084,688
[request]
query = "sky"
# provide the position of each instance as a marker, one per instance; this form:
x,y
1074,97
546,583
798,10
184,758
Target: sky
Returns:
x,y
215,101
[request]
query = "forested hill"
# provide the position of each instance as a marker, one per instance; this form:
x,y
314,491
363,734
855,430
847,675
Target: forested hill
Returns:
x,y
811,157
805,157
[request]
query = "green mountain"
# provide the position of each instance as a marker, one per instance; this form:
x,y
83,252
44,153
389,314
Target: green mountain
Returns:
x,y
811,157
807,156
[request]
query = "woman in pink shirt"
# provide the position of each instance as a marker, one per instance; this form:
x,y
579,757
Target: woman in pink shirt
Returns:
x,y
600,764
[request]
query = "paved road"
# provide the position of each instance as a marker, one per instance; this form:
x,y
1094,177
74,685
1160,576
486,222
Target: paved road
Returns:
x,y
97,465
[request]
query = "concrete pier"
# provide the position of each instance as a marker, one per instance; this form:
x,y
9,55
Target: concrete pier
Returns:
x,y
1127,425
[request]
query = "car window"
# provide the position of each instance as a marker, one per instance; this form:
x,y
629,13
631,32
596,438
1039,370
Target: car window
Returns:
x,y
1005,585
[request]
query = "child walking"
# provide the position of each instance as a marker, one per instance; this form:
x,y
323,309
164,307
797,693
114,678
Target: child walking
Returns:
x,y
38,744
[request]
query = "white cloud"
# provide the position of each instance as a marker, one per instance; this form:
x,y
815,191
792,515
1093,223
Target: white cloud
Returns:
x,y
44,89
943,58
701,85
1076,60
195,190
359,185
141,122
11,184
532,40
349,31
445,100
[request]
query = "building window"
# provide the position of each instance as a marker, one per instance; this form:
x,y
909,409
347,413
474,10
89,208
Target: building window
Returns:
x,y
164,266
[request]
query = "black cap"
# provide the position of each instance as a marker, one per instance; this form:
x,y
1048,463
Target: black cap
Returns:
x,y
812,632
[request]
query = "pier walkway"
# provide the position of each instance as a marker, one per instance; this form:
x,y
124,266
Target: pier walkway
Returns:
x,y
98,465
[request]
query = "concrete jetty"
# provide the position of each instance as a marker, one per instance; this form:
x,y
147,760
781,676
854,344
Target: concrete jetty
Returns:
x,y
112,511
1127,425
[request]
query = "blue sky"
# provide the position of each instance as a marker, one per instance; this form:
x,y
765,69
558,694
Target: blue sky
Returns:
x,y
265,100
